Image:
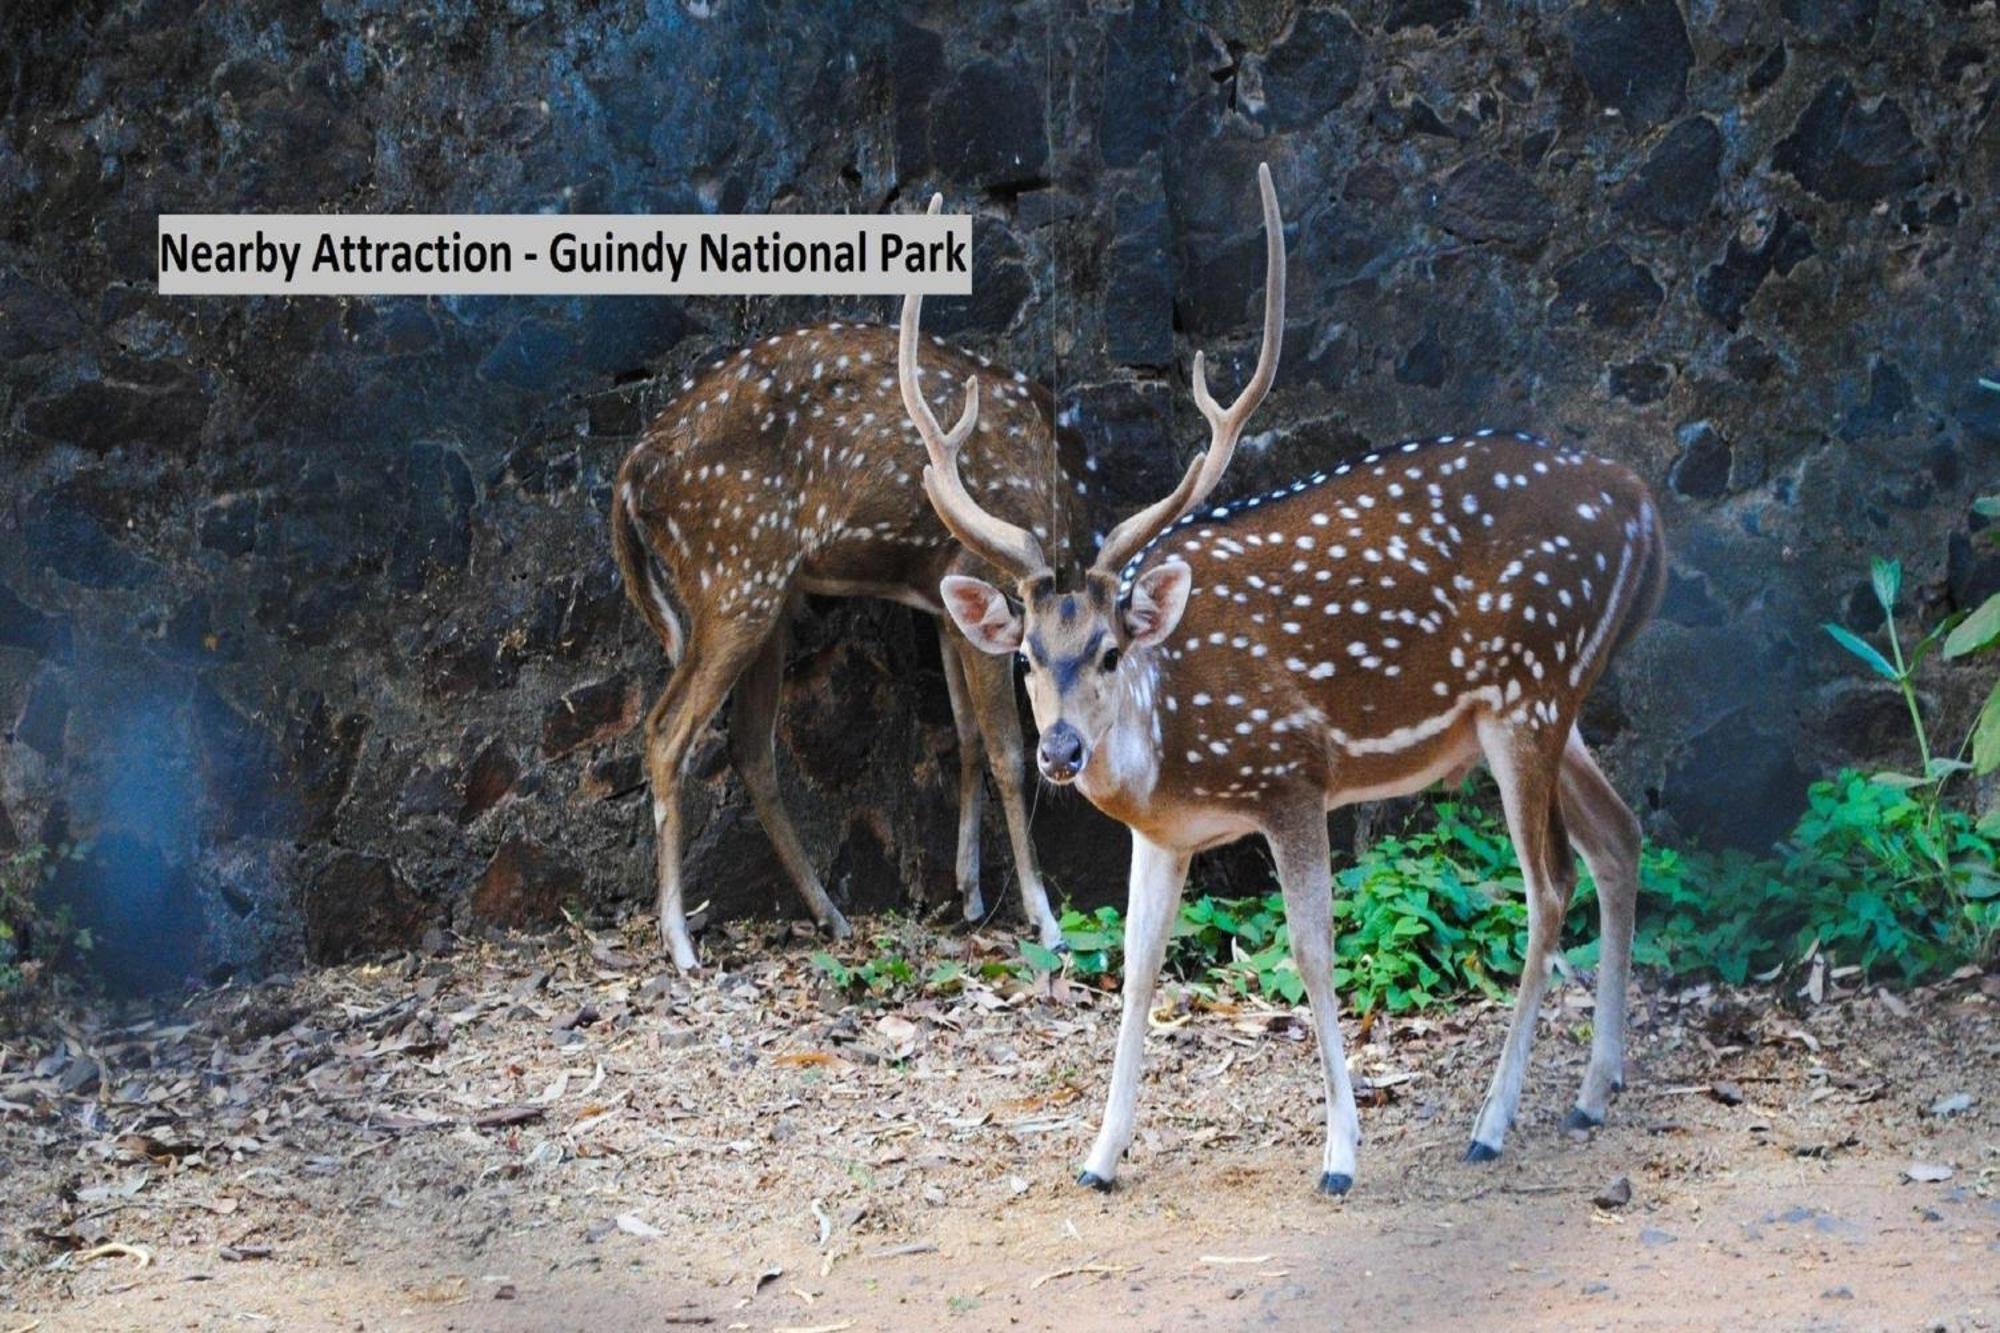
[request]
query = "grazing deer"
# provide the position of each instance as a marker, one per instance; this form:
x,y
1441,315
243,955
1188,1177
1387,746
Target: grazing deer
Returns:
x,y
789,468
1352,636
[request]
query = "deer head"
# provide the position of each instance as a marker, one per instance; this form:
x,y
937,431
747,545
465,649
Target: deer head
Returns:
x,y
1077,645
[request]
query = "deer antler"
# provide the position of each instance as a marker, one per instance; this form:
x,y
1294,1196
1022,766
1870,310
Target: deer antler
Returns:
x,y
995,540
1225,426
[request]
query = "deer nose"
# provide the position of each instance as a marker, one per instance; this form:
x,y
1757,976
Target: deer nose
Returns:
x,y
1060,754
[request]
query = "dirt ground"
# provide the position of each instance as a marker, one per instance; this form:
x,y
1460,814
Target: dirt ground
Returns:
x,y
554,1134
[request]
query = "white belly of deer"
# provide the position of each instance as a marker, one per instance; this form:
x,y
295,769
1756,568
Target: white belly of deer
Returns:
x,y
1211,826
1407,784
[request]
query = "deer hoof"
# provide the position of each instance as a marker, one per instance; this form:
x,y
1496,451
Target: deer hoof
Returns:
x,y
836,926
1579,1120
1333,1184
1091,1179
1480,1152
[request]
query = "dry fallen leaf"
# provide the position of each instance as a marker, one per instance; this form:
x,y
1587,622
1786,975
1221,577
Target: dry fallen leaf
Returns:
x,y
899,1033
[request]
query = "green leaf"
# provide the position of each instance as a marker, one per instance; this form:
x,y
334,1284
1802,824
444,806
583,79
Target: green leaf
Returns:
x,y
1986,743
1039,958
1942,767
1893,781
1887,576
1853,643
1987,506
1979,630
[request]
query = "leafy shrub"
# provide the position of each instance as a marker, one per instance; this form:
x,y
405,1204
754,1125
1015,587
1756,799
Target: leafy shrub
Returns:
x,y
1431,915
1931,852
886,973
1437,913
1240,944
31,936
1858,874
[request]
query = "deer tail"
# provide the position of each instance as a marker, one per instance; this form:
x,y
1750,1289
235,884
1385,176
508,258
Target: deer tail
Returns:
x,y
1652,584
640,571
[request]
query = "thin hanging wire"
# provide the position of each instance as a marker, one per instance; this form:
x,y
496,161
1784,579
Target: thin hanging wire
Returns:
x,y
1058,494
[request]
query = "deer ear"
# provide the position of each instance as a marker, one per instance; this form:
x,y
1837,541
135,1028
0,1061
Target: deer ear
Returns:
x,y
1158,597
981,612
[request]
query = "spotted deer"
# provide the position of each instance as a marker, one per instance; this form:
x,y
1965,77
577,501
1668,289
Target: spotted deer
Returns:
x,y
789,468
1354,635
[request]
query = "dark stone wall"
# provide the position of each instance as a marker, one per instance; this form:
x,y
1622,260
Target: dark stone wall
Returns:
x,y
307,618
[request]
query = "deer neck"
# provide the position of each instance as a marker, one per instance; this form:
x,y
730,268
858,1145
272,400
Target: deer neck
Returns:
x,y
1124,766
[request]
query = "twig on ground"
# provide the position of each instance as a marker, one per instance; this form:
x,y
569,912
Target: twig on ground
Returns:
x,y
112,1249
1077,1270
825,1222
898,1251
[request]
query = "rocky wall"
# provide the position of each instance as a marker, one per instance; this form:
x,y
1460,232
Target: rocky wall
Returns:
x,y
308,625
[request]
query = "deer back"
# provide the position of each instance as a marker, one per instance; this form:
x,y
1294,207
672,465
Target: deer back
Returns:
x,y
1345,632
793,459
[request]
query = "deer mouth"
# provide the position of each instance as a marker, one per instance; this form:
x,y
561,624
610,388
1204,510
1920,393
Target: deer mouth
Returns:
x,y
1060,775
1062,754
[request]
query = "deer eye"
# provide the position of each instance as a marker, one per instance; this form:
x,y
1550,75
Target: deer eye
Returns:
x,y
1110,662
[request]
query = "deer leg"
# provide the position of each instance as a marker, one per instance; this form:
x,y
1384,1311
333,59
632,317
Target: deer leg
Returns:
x,y
1155,898
1524,765
990,682
1305,872
1606,832
752,729
971,782
699,685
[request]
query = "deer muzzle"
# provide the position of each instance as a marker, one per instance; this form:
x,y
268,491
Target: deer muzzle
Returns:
x,y
1062,753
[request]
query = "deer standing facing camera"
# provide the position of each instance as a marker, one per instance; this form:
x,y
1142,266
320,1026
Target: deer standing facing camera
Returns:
x,y
789,468
1353,636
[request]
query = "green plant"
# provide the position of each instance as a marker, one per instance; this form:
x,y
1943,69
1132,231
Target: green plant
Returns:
x,y
1421,918
1867,851
886,973
1435,913
1705,913
1925,828
1238,944
1857,876
33,936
